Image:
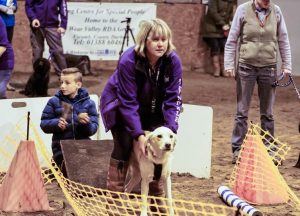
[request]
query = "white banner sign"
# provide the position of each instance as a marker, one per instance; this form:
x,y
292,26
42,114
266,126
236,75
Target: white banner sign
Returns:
x,y
98,29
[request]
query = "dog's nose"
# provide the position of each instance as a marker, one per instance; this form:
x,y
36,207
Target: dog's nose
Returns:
x,y
168,146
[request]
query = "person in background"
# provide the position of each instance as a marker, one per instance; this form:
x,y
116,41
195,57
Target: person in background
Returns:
x,y
217,23
8,8
6,60
261,29
48,20
143,93
70,114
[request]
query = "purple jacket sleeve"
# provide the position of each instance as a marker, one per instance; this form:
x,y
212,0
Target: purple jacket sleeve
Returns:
x,y
127,94
30,9
63,14
173,101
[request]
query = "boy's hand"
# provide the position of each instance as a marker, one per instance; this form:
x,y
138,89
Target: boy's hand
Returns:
x,y
83,118
62,123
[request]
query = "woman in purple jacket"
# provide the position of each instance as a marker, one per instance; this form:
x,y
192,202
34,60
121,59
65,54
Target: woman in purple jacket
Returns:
x,y
143,93
6,59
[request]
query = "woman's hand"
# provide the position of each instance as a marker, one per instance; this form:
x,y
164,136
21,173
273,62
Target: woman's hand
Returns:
x,y
142,143
286,72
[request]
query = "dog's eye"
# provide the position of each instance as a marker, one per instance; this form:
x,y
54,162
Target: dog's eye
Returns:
x,y
159,136
171,136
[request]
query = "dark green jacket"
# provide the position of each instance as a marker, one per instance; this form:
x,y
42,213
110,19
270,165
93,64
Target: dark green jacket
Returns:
x,y
219,13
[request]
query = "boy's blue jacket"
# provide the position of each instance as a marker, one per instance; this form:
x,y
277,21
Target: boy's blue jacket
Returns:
x,y
75,130
47,11
129,92
9,19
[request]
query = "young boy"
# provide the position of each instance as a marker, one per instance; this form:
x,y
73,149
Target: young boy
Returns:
x,y
70,114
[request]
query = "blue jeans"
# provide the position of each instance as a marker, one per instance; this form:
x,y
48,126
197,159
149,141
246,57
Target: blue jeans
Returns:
x,y
4,79
246,77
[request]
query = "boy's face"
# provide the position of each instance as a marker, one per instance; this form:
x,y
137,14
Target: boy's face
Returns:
x,y
69,86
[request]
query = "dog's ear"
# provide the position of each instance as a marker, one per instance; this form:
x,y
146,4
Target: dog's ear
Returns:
x,y
149,136
148,148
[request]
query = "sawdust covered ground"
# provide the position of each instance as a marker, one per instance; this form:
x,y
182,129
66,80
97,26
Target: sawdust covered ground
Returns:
x,y
219,93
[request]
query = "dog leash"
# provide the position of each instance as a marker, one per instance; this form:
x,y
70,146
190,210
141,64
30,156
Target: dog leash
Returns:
x,y
290,81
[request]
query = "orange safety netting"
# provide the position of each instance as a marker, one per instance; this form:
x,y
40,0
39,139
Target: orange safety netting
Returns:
x,y
255,177
84,199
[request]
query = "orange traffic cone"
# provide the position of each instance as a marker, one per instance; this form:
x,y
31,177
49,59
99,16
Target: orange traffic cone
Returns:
x,y
22,189
257,179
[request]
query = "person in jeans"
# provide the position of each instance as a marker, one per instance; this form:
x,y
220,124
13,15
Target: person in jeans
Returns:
x,y
260,26
48,20
6,59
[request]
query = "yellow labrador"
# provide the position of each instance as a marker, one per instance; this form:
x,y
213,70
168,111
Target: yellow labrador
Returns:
x,y
159,147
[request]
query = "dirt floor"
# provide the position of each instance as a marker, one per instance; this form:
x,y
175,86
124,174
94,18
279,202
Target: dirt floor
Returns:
x,y
218,93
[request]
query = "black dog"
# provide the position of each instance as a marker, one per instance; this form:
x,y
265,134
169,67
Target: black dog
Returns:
x,y
37,84
82,62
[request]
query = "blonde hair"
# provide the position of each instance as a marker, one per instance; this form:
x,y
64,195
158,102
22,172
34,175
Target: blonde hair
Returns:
x,y
157,27
73,70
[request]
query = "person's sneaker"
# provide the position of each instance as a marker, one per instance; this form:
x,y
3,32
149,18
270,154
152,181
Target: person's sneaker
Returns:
x,y
10,88
235,156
